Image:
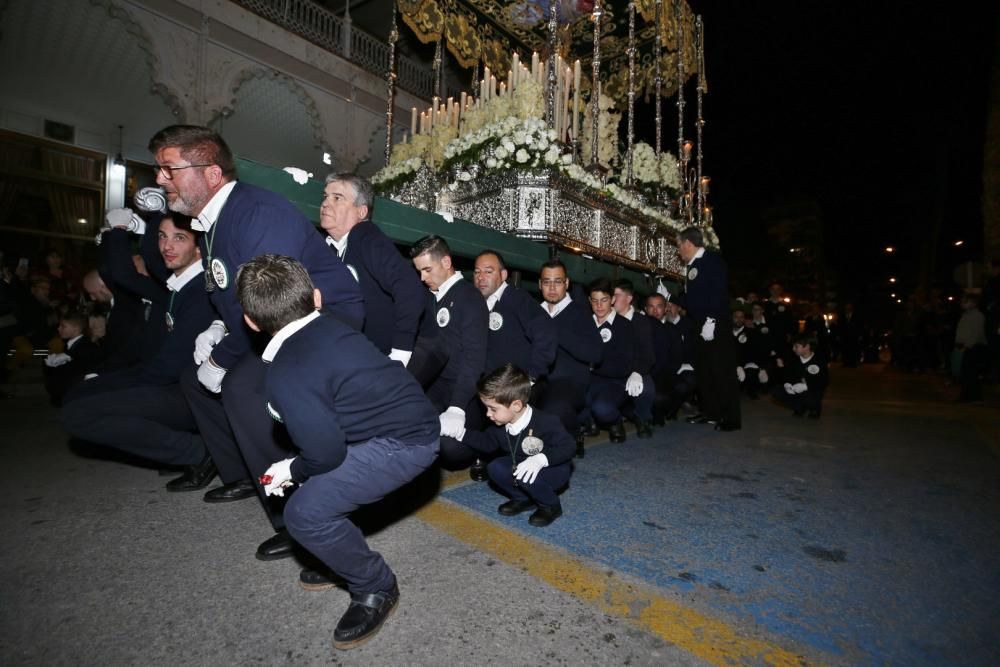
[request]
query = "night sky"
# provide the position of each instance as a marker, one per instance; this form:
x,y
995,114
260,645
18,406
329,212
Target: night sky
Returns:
x,y
874,111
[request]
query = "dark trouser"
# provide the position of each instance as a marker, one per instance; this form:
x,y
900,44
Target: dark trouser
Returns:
x,y
672,392
239,432
717,383
641,408
603,400
563,398
542,490
152,422
974,362
318,513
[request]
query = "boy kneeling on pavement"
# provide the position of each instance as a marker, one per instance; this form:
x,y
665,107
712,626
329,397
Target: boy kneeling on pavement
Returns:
x,y
361,423
536,449
806,378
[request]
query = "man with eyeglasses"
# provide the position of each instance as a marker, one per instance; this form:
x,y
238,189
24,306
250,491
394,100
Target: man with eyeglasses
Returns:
x,y
238,222
578,347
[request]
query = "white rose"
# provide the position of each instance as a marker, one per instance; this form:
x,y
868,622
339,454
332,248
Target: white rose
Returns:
x,y
522,156
500,152
491,163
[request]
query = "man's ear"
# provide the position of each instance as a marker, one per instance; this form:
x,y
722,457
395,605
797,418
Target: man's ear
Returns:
x,y
446,261
364,211
317,299
503,275
250,323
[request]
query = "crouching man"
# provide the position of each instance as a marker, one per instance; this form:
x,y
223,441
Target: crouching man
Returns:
x,y
360,421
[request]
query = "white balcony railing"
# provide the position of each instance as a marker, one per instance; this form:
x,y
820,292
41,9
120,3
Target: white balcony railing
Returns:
x,y
324,28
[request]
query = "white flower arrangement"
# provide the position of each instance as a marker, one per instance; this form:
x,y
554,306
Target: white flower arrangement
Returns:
x,y
607,132
397,170
510,142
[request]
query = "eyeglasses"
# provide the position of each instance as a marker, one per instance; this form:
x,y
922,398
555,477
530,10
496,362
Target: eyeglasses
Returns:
x,y
168,171
553,282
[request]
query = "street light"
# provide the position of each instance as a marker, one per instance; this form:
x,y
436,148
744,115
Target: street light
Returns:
x,y
892,280
958,243
889,249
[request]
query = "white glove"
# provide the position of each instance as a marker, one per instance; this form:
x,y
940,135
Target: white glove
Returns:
x,y
762,376
124,217
788,388
685,367
799,388
402,356
662,290
741,374
527,470
751,365
90,376
210,376
633,385
708,329
208,339
281,478
453,422
780,362
57,359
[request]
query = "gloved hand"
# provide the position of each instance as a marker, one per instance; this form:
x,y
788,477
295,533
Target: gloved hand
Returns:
x,y
708,329
799,388
90,376
57,359
685,367
762,376
788,388
751,365
780,362
124,217
741,374
453,422
208,339
633,385
210,376
402,356
281,478
662,290
527,470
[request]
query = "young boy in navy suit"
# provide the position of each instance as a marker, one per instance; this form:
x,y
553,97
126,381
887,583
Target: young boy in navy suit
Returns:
x,y
360,421
535,447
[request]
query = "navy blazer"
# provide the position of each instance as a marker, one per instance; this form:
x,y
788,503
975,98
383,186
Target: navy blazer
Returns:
x,y
521,334
392,291
619,349
644,354
462,340
253,222
557,445
330,401
707,290
579,344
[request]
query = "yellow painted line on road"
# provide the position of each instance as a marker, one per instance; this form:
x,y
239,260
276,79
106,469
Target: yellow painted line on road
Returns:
x,y
707,638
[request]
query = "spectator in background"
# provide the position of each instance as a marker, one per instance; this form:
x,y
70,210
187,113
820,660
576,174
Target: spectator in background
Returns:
x,y
970,339
79,358
63,282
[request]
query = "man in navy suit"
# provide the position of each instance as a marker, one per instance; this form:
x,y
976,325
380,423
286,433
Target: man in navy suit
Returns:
x,y
706,300
579,348
451,350
141,410
393,295
196,170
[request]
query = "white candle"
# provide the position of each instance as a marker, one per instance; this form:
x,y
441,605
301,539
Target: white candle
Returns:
x,y
413,121
492,86
516,69
576,98
534,65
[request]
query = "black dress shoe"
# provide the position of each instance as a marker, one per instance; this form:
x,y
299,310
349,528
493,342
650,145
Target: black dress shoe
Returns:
x,y
616,432
545,515
194,477
727,426
318,580
643,429
477,471
227,493
364,617
699,419
515,507
279,546
580,450
589,430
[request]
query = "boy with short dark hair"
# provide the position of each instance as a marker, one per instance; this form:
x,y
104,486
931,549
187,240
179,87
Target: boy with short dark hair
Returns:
x,y
361,423
536,449
79,358
806,379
